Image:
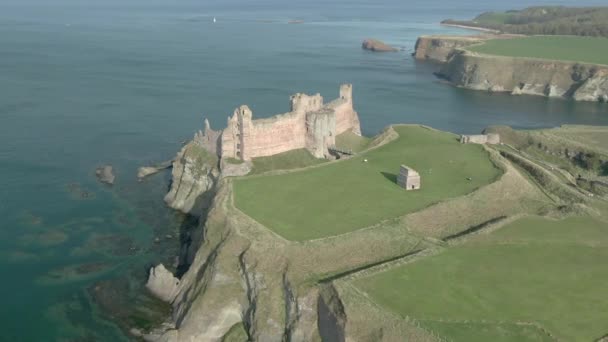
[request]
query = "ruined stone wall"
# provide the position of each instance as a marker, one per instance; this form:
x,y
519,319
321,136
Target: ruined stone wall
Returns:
x,y
310,124
209,139
320,132
346,117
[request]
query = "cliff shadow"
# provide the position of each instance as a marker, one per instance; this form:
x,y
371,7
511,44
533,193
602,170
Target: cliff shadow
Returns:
x,y
391,177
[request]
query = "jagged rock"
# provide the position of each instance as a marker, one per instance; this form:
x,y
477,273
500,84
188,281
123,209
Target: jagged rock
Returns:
x,y
194,173
594,88
162,283
377,46
146,171
234,169
104,174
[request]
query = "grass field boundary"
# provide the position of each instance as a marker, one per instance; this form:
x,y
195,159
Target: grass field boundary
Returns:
x,y
347,273
343,284
532,59
536,325
423,253
475,229
570,39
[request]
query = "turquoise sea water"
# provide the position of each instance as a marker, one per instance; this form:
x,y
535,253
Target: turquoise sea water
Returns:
x,y
83,83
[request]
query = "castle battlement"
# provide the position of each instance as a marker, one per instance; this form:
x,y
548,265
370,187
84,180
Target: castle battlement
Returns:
x,y
310,124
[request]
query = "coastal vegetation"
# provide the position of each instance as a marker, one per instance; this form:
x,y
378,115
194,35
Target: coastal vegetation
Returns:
x,y
349,141
566,48
500,244
515,283
579,150
362,191
546,20
289,160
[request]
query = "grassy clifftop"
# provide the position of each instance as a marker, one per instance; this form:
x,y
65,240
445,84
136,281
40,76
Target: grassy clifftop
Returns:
x,y
566,48
550,20
348,195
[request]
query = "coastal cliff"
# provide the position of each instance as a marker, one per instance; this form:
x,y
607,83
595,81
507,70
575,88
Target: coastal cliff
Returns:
x,y
194,173
440,49
245,281
515,75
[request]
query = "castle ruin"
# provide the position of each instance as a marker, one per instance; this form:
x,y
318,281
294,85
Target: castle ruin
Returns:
x,y
408,178
310,124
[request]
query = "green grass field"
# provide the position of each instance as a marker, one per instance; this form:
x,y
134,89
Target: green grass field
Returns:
x,y
534,270
350,141
348,195
285,161
566,48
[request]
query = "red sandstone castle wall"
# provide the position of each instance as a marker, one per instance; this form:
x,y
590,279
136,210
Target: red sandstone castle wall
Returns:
x,y
276,135
346,117
310,124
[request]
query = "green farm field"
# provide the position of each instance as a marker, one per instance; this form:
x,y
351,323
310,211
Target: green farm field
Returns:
x,y
344,196
567,48
533,280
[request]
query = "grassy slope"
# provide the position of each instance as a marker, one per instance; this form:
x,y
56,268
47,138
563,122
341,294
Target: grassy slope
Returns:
x,y
594,137
350,141
532,270
567,48
294,159
349,195
236,334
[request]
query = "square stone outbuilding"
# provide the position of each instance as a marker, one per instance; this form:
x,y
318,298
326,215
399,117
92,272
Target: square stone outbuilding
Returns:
x,y
408,178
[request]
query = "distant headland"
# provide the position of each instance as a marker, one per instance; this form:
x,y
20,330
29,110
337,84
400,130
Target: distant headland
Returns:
x,y
556,64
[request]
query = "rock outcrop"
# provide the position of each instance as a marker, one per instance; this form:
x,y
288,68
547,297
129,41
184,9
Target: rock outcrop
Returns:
x,y
146,171
162,283
195,172
377,46
105,174
518,76
594,88
440,48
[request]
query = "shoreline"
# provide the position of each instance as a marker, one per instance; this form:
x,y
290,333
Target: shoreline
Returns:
x,y
474,28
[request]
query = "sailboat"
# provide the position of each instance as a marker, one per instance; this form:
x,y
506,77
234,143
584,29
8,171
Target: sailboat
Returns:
x,y
214,20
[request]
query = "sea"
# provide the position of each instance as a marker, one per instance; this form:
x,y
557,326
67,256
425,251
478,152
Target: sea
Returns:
x,y
86,83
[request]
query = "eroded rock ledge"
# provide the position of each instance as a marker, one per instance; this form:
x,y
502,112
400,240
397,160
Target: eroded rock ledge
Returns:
x,y
515,75
195,172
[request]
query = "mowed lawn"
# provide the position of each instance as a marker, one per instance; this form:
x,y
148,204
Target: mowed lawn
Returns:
x,y
348,195
535,270
567,48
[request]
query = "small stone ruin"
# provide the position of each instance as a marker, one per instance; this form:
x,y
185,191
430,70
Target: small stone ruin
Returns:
x,y
408,178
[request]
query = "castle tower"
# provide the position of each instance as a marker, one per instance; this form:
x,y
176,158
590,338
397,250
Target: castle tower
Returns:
x,y
346,92
302,103
408,178
245,118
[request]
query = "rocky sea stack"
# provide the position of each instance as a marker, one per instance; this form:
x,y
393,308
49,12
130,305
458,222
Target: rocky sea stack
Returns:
x,y
105,175
377,46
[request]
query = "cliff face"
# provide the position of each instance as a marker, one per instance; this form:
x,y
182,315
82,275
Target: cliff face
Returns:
x,y
581,82
194,174
440,49
245,275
